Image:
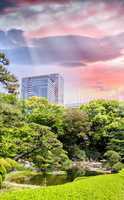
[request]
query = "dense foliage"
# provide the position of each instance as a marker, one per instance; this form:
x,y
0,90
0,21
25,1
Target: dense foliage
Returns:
x,y
106,127
21,138
49,135
7,165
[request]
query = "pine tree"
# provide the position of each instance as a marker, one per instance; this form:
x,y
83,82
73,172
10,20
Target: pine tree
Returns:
x,y
6,78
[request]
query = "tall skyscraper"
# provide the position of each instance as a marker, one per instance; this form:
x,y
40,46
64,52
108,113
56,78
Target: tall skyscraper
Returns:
x,y
49,86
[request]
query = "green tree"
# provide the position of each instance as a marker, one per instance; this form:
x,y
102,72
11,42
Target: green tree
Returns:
x,y
23,139
103,116
116,137
38,144
75,128
6,78
35,143
40,111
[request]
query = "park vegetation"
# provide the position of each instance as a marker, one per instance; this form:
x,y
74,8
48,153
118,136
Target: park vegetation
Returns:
x,y
51,137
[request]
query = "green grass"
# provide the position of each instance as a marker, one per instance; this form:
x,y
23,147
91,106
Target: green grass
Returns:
x,y
106,187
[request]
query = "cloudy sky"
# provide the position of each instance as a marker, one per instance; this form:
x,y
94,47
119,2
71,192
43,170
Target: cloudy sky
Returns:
x,y
81,39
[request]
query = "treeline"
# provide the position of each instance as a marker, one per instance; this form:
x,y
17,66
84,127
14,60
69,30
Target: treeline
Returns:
x,y
51,136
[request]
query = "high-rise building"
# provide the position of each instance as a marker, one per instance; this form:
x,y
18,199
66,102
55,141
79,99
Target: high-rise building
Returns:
x,y
49,86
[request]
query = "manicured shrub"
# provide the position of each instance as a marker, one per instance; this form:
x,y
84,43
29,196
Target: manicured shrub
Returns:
x,y
121,172
117,167
75,172
112,158
5,164
13,164
2,172
9,164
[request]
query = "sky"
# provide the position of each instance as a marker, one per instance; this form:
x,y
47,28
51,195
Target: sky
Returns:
x,y
83,40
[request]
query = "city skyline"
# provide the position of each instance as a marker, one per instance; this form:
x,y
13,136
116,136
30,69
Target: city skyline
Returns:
x,y
80,39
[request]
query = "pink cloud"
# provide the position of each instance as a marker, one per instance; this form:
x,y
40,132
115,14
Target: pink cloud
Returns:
x,y
65,29
102,77
90,20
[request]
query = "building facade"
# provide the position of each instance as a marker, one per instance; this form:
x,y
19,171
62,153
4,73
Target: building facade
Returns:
x,y
49,86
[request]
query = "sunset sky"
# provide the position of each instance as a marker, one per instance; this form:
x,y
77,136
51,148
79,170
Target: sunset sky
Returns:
x,y
81,39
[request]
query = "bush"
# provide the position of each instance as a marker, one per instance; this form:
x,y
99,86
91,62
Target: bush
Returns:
x,y
10,164
13,164
112,157
5,164
117,167
75,172
121,172
2,172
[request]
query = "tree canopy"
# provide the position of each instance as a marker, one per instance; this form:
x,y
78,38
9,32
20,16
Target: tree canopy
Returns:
x,y
51,136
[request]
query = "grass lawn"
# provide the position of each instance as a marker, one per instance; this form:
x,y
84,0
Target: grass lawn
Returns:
x,y
105,187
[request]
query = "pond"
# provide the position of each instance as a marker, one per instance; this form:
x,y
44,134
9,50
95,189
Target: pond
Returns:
x,y
49,179
57,179
36,178
46,179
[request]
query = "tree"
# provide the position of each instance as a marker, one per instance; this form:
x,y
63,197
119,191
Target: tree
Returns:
x,y
36,144
6,78
48,135
116,137
75,129
104,116
49,154
21,139
40,111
